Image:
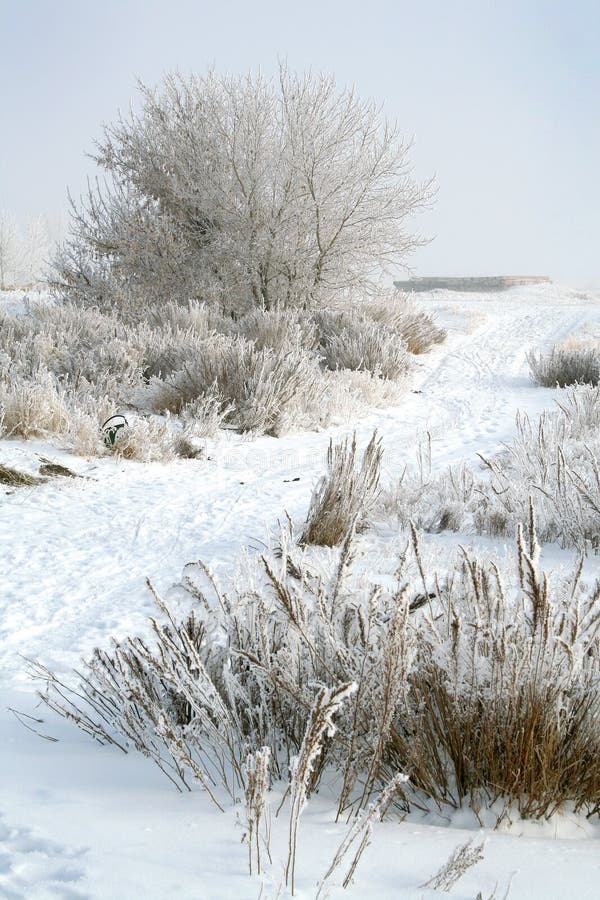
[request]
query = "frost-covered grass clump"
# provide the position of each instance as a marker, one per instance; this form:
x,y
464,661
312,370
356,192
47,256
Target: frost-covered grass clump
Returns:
x,y
480,685
564,366
553,460
346,496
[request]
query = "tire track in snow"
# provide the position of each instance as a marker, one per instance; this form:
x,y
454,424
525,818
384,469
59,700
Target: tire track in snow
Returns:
x,y
470,399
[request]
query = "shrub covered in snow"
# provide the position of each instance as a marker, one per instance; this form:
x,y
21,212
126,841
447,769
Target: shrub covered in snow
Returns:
x,y
265,390
63,369
555,461
505,691
358,344
278,328
31,408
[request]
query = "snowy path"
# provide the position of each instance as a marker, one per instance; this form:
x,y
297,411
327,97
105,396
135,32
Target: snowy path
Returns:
x,y
469,399
73,564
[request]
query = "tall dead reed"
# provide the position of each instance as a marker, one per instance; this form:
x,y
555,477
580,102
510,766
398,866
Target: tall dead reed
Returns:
x,y
347,495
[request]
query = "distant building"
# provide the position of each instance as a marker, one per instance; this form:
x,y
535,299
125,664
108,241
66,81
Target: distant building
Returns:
x,y
484,283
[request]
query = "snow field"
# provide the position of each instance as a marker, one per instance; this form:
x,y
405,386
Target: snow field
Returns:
x,y
85,821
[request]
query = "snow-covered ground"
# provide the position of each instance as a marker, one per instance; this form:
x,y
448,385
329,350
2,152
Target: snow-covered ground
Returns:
x,y
79,820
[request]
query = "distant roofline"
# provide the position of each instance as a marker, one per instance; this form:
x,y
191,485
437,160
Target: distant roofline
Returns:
x,y
469,282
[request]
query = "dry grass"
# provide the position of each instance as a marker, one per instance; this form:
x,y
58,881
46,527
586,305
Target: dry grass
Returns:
x,y
345,498
193,317
258,390
278,329
56,470
257,809
461,860
320,726
566,365
414,326
554,459
196,708
145,440
508,710
359,835
479,690
15,478
30,409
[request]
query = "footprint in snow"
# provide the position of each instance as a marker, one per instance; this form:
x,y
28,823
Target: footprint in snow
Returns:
x,y
32,866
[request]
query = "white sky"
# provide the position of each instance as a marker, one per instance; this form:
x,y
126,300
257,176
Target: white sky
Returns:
x,y
503,99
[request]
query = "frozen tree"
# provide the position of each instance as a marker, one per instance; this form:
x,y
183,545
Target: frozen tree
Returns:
x,y
23,251
247,190
9,251
36,246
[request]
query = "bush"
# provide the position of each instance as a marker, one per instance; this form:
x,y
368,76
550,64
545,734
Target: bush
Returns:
x,y
556,461
265,390
197,704
146,440
357,344
563,366
278,329
349,395
64,369
202,418
505,692
32,409
71,344
166,351
414,326
199,319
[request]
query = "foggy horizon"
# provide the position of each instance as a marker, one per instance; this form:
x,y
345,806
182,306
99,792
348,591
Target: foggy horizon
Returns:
x,y
502,104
